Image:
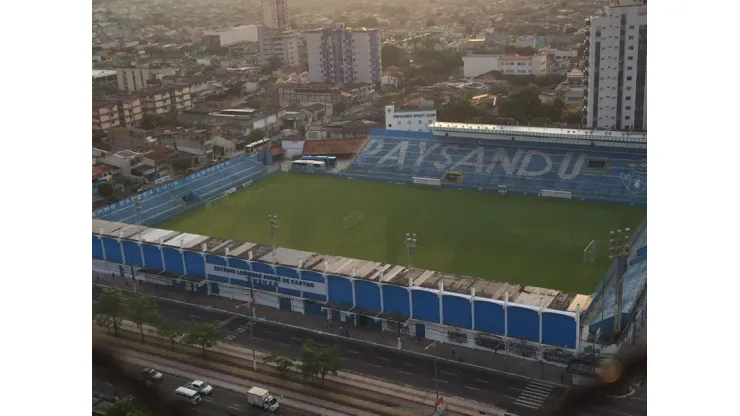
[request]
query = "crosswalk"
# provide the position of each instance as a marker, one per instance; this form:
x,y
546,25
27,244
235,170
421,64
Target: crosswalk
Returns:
x,y
534,394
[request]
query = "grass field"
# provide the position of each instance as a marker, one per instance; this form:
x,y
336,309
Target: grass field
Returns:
x,y
516,239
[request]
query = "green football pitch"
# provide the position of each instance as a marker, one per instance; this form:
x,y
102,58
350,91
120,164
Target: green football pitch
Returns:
x,y
516,239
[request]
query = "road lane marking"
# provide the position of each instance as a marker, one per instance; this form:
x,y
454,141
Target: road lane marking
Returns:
x,y
184,321
375,365
233,407
606,409
408,364
352,352
471,388
384,358
480,381
195,316
285,344
406,372
107,383
448,373
269,332
296,339
442,381
527,405
207,399
261,339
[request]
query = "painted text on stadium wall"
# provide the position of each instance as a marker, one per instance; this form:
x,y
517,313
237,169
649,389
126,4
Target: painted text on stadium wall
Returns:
x,y
317,288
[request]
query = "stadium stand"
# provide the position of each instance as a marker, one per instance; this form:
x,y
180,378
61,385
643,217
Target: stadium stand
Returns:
x,y
171,199
610,174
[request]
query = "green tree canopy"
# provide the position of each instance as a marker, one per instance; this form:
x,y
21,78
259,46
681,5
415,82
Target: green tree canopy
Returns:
x,y
141,309
109,308
182,162
204,335
430,23
369,22
255,135
317,362
392,55
283,363
128,406
105,190
169,332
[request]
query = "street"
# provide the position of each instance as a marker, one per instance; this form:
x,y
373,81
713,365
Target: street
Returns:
x,y
219,403
517,395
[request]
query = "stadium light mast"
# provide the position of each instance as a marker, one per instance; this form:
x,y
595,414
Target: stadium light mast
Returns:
x,y
273,235
410,243
619,245
137,206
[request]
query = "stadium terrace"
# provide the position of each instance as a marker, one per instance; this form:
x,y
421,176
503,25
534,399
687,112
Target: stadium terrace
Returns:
x,y
532,323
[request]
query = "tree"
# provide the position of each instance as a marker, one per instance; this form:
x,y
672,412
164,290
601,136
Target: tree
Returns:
x,y
283,363
128,406
339,107
141,309
392,55
149,121
430,23
182,162
367,22
204,335
98,136
109,309
170,332
319,362
105,190
172,117
255,135
500,89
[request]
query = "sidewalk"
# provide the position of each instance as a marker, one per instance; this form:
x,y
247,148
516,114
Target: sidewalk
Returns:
x,y
495,362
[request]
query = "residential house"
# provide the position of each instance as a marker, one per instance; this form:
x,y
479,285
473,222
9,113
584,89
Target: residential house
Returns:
x,y
105,115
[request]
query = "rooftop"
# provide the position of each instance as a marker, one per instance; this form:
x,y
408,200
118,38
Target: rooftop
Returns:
x,y
621,136
99,73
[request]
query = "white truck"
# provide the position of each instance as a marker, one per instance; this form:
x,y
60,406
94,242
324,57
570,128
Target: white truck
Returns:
x,y
257,396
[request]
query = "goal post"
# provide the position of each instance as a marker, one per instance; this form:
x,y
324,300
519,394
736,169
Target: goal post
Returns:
x,y
591,252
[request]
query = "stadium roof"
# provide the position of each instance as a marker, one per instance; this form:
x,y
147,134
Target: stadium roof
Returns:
x,y
543,132
531,296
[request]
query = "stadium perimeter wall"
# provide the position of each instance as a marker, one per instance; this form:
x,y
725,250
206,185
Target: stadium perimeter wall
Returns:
x,y
497,326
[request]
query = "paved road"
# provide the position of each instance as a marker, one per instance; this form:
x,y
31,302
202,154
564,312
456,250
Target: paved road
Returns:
x,y
520,396
219,403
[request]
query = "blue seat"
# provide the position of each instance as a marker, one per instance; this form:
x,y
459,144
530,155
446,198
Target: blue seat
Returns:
x,y
521,166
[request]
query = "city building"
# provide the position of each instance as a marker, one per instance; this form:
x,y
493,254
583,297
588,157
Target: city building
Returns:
x,y
479,64
303,95
137,78
105,115
344,56
130,110
275,14
101,77
161,101
572,89
280,46
615,68
231,36
409,120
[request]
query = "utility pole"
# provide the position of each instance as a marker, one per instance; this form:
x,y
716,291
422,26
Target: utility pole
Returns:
x,y
436,383
410,243
619,245
273,235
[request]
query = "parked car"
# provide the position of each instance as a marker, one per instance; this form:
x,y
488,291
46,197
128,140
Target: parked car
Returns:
x,y
203,388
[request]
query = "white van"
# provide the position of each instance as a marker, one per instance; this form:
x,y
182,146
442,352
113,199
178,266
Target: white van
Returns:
x,y
188,395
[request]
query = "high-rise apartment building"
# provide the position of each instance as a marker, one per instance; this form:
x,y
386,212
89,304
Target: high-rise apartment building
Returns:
x,y
344,56
615,68
275,14
276,40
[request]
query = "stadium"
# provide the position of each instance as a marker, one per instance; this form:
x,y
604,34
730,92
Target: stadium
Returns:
x,y
527,211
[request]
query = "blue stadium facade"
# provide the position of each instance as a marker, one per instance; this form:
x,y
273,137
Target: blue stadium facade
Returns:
x,y
484,315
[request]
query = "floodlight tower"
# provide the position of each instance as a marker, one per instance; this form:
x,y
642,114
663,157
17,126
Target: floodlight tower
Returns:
x,y
273,235
619,246
410,243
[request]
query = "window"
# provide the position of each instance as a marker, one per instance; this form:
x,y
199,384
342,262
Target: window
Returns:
x,y
628,107
629,78
627,118
632,26
629,68
629,98
630,58
630,48
630,37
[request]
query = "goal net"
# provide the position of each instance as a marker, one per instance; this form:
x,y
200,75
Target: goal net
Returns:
x,y
591,252
352,220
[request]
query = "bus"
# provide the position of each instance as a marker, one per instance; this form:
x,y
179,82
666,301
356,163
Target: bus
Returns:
x,y
308,165
256,146
331,161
